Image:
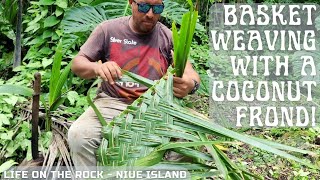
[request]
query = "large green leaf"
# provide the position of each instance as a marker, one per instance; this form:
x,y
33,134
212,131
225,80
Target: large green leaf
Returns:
x,y
46,2
82,19
55,105
55,73
182,40
9,10
62,80
86,18
5,166
51,21
62,3
174,12
85,1
16,89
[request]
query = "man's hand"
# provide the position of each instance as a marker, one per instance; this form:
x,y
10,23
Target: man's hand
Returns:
x,y
182,86
108,71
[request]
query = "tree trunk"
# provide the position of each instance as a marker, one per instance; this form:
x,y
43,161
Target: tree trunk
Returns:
x,y
35,115
17,50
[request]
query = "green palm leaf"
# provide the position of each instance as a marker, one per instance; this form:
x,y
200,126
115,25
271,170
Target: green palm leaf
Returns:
x,y
59,86
174,12
57,82
182,40
82,19
55,73
86,18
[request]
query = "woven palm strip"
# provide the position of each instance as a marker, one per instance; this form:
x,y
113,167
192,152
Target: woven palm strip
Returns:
x,y
146,124
140,135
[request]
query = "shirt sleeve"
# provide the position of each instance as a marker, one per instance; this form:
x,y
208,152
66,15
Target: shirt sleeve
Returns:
x,y
93,48
167,44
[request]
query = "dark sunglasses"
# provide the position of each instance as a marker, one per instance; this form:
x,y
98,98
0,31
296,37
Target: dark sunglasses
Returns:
x,y
144,7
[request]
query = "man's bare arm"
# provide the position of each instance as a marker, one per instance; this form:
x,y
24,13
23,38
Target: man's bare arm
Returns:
x,y
84,68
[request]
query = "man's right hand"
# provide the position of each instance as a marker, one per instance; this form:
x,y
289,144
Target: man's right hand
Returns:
x,y
108,71
87,69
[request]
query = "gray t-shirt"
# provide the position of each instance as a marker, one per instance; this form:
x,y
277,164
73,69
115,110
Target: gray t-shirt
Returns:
x,y
148,55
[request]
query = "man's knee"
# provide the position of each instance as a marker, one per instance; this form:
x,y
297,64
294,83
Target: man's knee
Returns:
x,y
84,133
76,139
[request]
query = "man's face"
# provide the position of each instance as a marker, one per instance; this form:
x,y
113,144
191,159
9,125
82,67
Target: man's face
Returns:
x,y
144,22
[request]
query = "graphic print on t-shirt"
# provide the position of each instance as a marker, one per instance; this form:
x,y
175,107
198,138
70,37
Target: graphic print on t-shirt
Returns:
x,y
145,54
140,59
124,41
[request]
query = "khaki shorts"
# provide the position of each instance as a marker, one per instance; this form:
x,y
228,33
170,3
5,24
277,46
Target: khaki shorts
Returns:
x,y
84,135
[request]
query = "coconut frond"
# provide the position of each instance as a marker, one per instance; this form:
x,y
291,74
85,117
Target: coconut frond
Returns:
x,y
141,135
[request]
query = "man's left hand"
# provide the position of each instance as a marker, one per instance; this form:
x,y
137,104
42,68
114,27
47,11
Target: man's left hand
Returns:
x,y
182,86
